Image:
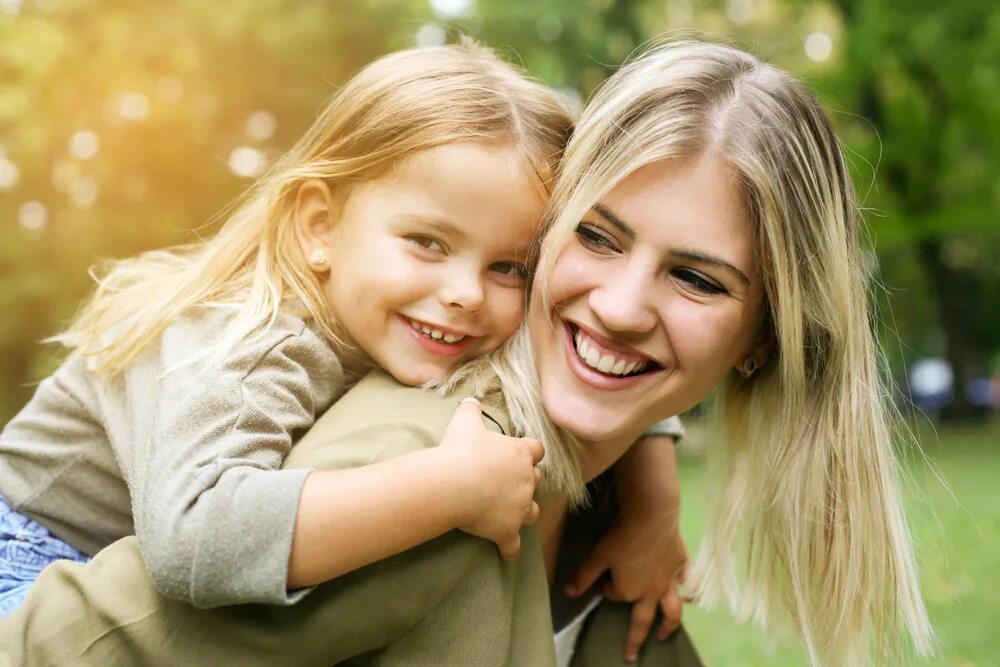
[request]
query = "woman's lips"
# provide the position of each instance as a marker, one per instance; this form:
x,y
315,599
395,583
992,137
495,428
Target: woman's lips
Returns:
x,y
592,376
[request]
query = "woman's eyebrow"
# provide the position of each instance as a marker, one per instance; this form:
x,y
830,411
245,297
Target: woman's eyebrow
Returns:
x,y
692,255
614,220
696,256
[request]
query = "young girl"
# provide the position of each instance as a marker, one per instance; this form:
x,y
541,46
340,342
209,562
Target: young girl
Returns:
x,y
399,224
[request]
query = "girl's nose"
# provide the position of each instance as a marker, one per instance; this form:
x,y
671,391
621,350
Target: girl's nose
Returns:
x,y
463,289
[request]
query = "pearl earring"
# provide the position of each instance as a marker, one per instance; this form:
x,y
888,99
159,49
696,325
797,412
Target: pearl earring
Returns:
x,y
318,257
749,367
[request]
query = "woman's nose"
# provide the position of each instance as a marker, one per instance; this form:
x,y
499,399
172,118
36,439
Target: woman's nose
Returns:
x,y
622,301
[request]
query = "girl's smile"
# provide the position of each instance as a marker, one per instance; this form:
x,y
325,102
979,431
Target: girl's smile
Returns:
x,y
427,263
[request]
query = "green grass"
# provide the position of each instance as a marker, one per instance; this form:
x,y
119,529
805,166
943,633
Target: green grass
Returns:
x,y
956,524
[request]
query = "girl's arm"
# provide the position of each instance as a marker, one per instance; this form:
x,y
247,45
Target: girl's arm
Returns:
x,y
644,553
476,480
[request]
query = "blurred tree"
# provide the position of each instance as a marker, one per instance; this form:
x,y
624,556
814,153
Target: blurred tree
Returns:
x,y
128,126
927,77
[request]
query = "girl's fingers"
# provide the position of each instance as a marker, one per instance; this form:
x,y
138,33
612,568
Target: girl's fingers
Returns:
x,y
510,548
671,606
532,516
643,615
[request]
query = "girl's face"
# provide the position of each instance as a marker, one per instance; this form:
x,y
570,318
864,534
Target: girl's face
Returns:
x,y
654,298
427,265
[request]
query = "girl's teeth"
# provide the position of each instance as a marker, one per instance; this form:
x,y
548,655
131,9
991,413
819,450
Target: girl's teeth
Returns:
x,y
435,333
618,368
593,357
606,363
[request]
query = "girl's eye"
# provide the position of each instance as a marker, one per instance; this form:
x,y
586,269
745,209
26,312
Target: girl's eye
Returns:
x,y
596,239
427,243
698,282
510,273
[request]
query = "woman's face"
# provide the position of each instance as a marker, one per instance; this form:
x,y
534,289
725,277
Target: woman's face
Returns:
x,y
653,299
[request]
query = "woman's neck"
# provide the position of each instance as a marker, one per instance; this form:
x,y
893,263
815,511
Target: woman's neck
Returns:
x,y
596,457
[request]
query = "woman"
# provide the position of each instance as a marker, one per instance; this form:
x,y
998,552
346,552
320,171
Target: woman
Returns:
x,y
704,234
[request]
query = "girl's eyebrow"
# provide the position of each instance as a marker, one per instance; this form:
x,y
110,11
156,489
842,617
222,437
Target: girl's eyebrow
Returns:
x,y
692,255
435,223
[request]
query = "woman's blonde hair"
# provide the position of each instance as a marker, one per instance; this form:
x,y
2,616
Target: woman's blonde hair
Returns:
x,y
809,521
401,104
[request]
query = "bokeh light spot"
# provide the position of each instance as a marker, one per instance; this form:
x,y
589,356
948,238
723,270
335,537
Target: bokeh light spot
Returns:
x,y
548,27
132,106
9,174
451,9
679,12
32,216
430,34
83,194
10,7
84,144
261,125
818,46
740,12
247,162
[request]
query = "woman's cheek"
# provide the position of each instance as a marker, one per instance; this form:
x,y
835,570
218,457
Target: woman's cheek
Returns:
x,y
573,269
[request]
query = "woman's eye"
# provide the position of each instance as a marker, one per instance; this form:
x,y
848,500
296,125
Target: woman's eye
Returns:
x,y
427,243
592,237
510,273
698,282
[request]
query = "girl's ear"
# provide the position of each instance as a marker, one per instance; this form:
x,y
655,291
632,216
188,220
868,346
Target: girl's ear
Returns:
x,y
314,216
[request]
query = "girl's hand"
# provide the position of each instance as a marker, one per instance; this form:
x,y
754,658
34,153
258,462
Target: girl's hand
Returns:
x,y
646,561
499,475
644,554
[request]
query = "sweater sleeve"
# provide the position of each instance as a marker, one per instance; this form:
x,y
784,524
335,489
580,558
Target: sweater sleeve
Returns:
x,y
109,609
214,513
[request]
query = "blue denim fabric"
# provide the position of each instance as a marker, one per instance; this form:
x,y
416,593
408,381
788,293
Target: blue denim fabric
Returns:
x,y
25,548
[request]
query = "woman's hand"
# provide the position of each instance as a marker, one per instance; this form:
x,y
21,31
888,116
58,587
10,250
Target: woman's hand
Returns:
x,y
499,475
644,554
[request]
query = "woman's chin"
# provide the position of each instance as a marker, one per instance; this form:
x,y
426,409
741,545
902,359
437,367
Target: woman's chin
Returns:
x,y
586,425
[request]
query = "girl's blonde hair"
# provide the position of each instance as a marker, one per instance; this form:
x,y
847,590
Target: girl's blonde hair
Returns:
x,y
397,106
810,519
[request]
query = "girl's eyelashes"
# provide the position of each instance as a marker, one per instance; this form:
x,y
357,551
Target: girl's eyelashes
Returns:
x,y
698,282
426,242
510,273
595,238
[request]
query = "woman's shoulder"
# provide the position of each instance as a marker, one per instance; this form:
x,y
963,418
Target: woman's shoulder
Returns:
x,y
381,418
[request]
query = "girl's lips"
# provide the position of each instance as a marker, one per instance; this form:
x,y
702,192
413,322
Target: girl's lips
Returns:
x,y
436,346
592,376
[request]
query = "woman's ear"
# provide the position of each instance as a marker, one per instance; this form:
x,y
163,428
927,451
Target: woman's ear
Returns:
x,y
756,356
313,216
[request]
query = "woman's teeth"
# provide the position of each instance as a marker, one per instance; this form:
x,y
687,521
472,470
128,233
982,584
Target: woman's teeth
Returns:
x,y
435,333
605,363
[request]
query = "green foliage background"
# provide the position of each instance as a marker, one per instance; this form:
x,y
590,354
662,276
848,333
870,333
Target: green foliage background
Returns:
x,y
168,88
